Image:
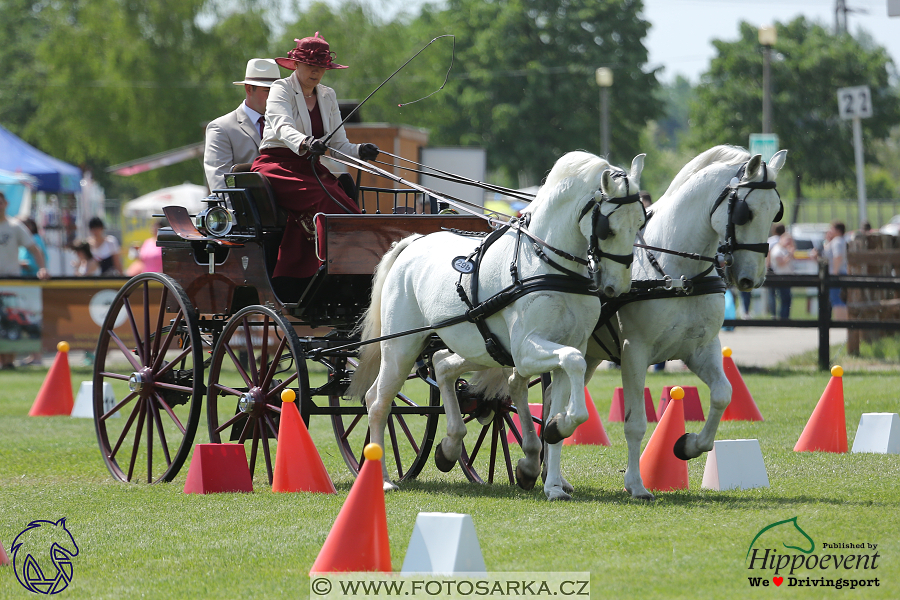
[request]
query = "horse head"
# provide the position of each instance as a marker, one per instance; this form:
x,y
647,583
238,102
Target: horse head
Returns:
x,y
614,223
743,215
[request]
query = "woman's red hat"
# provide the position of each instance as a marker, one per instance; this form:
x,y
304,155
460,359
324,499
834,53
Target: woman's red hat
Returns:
x,y
311,51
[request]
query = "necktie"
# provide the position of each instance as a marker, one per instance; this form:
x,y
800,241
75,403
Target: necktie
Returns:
x,y
261,123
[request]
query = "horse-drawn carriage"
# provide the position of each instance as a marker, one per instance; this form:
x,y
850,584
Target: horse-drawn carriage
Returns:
x,y
211,327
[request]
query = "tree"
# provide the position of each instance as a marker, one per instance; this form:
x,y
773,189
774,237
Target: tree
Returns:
x,y
523,80
810,65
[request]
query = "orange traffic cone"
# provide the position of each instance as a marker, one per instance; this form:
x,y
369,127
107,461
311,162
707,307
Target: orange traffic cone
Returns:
x,y
358,540
298,466
660,469
826,430
55,396
4,559
742,407
591,432
617,408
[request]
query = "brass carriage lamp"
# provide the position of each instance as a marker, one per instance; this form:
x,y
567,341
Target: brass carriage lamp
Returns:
x,y
768,36
604,77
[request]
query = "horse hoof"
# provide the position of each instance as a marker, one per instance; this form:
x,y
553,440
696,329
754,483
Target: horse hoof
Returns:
x,y
524,481
441,461
551,431
390,486
557,495
567,487
679,448
648,497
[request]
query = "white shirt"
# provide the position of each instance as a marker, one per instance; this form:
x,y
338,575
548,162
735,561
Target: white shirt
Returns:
x,y
254,116
12,235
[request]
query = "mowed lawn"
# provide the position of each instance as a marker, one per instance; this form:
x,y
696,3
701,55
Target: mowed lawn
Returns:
x,y
155,541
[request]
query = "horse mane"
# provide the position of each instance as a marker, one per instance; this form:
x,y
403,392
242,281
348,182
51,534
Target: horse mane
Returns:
x,y
573,168
724,154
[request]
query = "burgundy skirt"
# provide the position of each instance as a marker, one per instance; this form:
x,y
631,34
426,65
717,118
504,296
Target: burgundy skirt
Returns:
x,y
300,193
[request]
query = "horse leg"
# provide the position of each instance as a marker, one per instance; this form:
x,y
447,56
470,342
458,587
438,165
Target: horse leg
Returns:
x,y
706,363
634,375
545,357
529,466
555,485
397,360
447,368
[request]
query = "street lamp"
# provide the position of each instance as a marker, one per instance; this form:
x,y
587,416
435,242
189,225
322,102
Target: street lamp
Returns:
x,y
767,37
604,77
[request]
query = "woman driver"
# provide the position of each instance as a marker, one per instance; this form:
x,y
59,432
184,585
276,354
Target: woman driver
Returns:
x,y
300,112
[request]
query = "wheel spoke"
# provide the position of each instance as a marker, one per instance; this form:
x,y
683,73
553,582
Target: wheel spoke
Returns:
x,y
147,324
138,343
226,389
150,412
276,391
168,367
494,435
272,428
160,319
119,376
478,445
174,387
237,365
161,433
396,448
273,367
408,433
264,350
171,413
247,430
116,408
137,438
161,356
505,444
255,445
265,444
230,422
362,456
513,428
126,429
128,353
352,426
251,356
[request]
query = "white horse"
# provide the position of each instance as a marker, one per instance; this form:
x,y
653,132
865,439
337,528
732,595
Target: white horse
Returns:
x,y
544,330
722,194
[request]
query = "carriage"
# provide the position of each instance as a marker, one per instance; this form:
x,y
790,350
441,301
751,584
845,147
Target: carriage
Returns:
x,y
208,341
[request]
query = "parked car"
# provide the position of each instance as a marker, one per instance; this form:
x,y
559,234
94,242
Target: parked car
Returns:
x,y
892,227
809,242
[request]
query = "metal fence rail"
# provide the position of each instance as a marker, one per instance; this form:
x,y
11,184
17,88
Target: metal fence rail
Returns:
x,y
823,282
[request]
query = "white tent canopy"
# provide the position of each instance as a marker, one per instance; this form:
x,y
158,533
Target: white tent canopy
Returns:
x,y
187,195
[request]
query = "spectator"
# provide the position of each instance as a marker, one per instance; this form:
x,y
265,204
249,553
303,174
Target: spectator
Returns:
x,y
836,255
149,255
782,261
104,248
777,231
28,260
85,265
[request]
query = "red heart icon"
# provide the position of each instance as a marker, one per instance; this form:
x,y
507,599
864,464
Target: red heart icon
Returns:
x,y
778,580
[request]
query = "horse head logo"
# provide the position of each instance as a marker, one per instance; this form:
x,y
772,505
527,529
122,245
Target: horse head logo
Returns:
x,y
788,533
42,556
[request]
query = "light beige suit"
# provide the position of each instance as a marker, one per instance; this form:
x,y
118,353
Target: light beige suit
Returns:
x,y
230,140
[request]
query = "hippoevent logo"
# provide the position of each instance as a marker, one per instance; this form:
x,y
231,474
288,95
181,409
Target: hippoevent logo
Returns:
x,y
782,553
42,556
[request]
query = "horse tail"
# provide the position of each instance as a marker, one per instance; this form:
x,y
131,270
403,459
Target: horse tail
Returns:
x,y
370,324
490,383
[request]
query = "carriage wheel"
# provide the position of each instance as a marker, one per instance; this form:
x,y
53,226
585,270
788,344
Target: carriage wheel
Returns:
x,y
489,458
257,356
150,355
409,433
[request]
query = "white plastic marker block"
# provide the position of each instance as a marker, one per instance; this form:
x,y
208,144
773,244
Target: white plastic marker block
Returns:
x,y
84,400
443,544
878,433
735,464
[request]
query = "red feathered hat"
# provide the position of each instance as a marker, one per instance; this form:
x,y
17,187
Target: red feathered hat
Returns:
x,y
311,51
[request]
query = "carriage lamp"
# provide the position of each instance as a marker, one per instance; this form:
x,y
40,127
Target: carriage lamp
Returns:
x,y
216,221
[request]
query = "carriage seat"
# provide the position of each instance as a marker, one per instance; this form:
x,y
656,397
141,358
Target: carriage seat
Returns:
x,y
257,191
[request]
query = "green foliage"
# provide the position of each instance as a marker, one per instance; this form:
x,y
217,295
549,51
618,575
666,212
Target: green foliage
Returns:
x,y
523,82
808,65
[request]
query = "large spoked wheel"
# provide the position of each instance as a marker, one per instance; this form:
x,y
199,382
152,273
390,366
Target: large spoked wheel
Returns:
x,y
257,356
150,355
489,460
410,429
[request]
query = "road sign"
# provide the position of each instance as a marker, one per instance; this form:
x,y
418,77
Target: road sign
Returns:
x,y
855,102
765,144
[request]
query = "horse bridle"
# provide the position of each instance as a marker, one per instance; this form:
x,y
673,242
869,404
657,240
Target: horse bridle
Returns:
x,y
600,228
739,213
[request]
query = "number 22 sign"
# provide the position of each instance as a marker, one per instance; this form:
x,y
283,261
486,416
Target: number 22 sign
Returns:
x,y
855,102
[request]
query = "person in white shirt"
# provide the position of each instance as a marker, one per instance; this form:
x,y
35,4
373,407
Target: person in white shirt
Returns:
x,y
782,261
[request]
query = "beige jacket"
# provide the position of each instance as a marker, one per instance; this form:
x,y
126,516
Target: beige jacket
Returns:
x,y
230,140
287,118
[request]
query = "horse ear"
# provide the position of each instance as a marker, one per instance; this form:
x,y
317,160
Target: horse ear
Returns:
x,y
606,181
777,162
637,167
753,166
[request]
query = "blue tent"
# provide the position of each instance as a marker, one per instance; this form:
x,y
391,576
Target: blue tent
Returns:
x,y
53,175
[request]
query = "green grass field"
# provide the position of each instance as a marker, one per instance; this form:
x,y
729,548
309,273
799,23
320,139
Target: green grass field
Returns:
x,y
155,541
